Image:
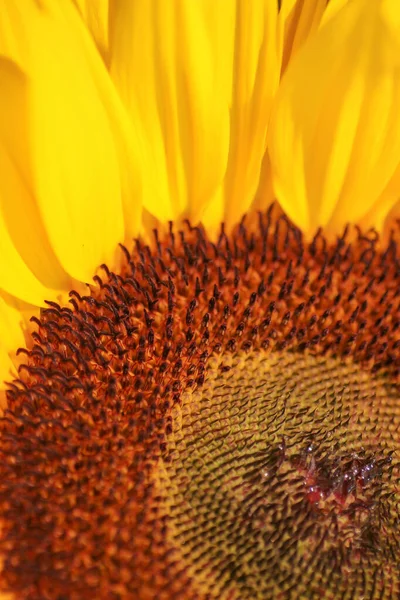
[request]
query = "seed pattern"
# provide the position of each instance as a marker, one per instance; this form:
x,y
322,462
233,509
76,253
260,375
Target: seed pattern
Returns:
x,y
87,434
280,484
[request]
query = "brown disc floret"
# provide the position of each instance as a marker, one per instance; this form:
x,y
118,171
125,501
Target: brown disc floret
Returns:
x,y
215,420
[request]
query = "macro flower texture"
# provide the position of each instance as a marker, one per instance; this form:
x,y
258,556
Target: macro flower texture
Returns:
x,y
200,299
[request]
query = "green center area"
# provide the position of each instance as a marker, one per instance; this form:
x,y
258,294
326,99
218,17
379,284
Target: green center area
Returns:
x,y
280,480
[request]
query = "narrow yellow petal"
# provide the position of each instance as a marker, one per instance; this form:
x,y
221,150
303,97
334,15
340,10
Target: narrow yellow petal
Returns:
x,y
286,8
213,214
74,159
304,19
333,7
264,196
335,133
171,62
95,15
386,208
256,69
391,222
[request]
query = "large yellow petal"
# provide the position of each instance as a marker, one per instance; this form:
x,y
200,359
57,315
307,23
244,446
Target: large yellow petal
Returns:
x,y
128,135
335,133
16,204
172,64
15,276
24,237
74,159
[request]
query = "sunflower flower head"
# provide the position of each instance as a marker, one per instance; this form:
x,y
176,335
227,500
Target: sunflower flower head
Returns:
x,y
199,311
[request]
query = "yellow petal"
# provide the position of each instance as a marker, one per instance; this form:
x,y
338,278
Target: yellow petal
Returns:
x,y
264,196
213,214
74,160
386,209
24,240
95,15
286,8
304,19
172,64
333,7
13,42
128,136
391,223
256,69
335,132
15,275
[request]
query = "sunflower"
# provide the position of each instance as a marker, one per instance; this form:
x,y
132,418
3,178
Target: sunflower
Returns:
x,y
200,306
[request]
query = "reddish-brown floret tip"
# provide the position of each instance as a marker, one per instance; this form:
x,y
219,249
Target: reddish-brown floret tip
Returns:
x,y
217,420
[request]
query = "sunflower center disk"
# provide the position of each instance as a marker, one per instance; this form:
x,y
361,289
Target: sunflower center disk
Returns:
x,y
217,420
277,478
